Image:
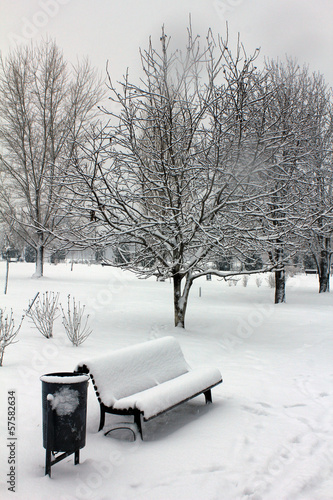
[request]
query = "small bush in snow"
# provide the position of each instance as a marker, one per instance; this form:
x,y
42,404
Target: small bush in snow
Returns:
x,y
43,313
76,327
291,271
271,280
258,281
245,280
7,331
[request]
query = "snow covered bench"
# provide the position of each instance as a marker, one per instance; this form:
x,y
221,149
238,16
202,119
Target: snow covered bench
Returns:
x,y
147,379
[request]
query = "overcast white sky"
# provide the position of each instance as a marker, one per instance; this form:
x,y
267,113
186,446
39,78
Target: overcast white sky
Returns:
x,y
114,29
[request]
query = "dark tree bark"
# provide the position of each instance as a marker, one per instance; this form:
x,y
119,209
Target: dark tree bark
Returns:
x,y
39,261
181,298
280,286
7,277
324,271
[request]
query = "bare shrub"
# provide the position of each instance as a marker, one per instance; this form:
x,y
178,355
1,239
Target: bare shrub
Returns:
x,y
73,320
245,280
43,313
291,271
258,281
271,280
232,281
7,331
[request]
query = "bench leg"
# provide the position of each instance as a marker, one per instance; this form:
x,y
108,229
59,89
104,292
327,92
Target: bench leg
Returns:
x,y
138,422
208,396
102,419
48,463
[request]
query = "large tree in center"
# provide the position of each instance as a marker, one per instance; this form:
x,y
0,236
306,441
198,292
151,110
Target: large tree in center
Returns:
x,y
172,180
44,104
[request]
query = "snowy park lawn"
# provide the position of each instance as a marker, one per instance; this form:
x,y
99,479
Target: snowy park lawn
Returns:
x,y
268,434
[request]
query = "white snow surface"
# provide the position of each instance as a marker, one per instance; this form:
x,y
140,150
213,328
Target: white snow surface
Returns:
x,y
268,434
71,379
151,376
65,401
163,396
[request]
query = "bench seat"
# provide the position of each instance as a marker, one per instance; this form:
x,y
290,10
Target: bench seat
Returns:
x,y
163,397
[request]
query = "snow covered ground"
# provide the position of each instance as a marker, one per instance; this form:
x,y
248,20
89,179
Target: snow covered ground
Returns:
x,y
268,434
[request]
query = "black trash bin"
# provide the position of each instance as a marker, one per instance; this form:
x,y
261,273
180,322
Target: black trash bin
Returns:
x,y
64,400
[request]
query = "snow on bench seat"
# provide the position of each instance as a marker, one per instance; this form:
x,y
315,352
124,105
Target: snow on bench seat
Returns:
x,y
147,379
162,397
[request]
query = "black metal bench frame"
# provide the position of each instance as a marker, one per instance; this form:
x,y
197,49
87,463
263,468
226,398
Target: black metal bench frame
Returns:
x,y
137,414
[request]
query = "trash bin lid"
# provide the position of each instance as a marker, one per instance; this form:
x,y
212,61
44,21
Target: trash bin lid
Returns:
x,y
64,378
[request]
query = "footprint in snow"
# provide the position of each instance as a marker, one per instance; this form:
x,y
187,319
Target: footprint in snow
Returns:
x,y
256,411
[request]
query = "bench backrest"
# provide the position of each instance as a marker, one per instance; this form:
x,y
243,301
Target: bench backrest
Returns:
x,y
135,368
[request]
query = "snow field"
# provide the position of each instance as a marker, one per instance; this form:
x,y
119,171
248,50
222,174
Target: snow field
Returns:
x,y
268,434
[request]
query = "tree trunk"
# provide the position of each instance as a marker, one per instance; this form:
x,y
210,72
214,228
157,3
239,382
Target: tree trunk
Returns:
x,y
39,259
280,275
180,299
7,277
280,286
324,271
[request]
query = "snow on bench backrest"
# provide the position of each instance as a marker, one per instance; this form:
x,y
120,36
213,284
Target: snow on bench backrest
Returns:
x,y
136,368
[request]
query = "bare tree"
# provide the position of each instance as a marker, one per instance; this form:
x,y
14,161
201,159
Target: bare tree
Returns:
x,y
318,199
44,104
287,121
173,179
